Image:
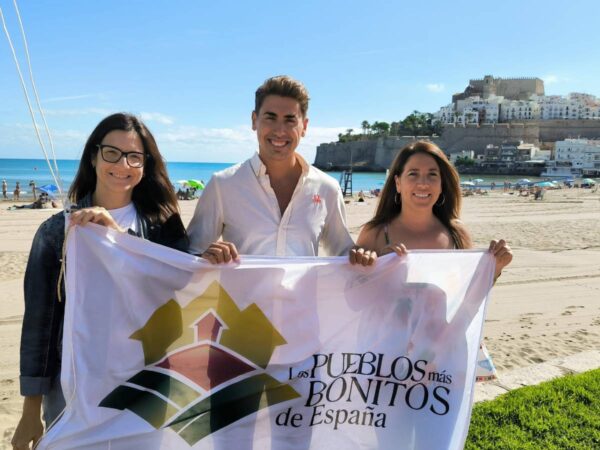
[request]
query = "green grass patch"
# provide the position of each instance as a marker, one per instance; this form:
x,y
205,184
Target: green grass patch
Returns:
x,y
560,414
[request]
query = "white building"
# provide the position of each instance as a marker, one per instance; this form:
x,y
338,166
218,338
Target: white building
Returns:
x,y
575,157
471,110
528,149
445,114
462,154
542,155
584,153
575,106
519,110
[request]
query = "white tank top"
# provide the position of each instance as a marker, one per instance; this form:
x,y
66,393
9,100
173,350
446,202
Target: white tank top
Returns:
x,y
126,217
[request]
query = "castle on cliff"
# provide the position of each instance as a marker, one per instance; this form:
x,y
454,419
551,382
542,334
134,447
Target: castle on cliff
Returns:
x,y
490,111
498,100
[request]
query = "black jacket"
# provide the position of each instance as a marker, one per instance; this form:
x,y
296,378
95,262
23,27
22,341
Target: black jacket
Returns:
x,y
41,335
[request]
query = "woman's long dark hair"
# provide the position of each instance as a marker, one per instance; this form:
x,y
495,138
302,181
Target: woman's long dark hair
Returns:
x,y
153,196
447,211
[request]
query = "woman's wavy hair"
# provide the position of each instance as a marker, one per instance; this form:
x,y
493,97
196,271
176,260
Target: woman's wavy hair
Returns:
x,y
153,196
446,208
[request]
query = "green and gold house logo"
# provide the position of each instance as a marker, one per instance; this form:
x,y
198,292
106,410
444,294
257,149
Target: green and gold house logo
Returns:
x,y
204,366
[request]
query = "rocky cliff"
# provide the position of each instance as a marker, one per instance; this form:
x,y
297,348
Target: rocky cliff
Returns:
x,y
376,155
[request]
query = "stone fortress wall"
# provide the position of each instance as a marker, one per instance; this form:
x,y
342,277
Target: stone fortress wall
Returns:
x,y
374,155
377,154
509,88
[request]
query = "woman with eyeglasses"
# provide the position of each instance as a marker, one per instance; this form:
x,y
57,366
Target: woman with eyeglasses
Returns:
x,y
121,183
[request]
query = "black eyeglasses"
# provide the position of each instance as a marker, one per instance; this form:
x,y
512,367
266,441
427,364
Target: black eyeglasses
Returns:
x,y
113,155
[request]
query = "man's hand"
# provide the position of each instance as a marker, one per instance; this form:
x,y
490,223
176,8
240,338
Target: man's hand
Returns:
x,y
221,252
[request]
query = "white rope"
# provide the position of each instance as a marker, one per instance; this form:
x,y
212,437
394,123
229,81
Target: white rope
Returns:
x,y
37,99
55,176
35,125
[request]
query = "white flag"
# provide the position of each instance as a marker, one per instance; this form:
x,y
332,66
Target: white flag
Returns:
x,y
164,351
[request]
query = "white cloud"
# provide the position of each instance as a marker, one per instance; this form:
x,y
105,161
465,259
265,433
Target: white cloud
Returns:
x,y
176,142
555,79
191,143
192,135
157,117
77,112
550,79
20,140
69,98
435,87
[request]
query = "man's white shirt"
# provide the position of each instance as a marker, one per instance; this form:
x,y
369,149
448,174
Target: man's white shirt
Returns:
x,y
239,205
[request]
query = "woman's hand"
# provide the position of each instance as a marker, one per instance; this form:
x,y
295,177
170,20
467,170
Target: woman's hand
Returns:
x,y
399,249
97,215
503,255
30,428
359,255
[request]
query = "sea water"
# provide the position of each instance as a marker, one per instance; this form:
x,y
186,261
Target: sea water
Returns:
x,y
26,170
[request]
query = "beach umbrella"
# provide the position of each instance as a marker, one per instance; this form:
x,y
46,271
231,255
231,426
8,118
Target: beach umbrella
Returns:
x,y
478,180
195,184
588,181
467,183
545,184
182,182
523,181
49,189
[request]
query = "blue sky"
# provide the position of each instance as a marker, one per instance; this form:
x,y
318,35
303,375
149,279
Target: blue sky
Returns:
x,y
190,68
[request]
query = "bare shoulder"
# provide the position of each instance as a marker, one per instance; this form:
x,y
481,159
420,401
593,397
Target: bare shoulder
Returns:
x,y
370,237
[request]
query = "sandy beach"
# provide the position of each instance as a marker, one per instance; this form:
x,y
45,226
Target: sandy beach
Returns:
x,y
545,305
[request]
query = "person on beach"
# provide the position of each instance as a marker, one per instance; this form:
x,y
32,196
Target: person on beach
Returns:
x,y
121,183
32,186
40,203
4,189
419,208
17,191
274,203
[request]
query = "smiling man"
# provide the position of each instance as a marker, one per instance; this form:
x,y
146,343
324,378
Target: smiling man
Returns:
x,y
274,203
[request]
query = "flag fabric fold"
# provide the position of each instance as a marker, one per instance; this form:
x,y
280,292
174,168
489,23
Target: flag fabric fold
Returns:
x,y
164,351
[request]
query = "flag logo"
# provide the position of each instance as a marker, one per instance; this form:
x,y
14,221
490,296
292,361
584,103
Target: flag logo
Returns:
x,y
205,366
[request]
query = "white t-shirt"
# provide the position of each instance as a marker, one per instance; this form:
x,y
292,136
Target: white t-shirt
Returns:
x,y
126,217
240,205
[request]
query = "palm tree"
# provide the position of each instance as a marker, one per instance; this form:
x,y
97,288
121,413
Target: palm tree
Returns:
x,y
365,126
